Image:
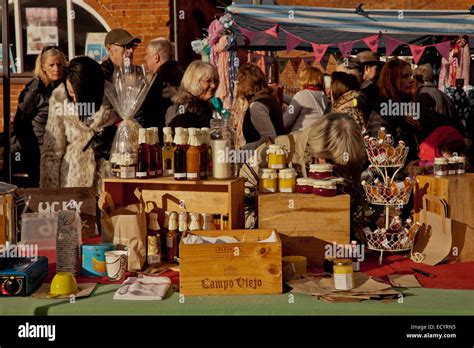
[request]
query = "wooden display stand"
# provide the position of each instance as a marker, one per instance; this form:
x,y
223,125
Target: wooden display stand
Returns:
x,y
458,192
246,268
225,197
306,222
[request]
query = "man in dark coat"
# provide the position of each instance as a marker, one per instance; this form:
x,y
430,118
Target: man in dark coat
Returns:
x,y
370,65
166,74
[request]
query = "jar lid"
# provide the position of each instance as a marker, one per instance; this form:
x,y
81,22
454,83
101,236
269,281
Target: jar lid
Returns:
x,y
288,170
461,159
339,181
269,175
452,160
322,167
342,262
268,170
286,175
440,160
276,149
324,184
302,181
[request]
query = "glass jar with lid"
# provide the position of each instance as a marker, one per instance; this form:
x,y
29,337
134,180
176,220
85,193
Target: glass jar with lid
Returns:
x,y
304,185
325,188
269,181
343,274
461,165
452,165
440,166
287,180
223,140
320,171
276,156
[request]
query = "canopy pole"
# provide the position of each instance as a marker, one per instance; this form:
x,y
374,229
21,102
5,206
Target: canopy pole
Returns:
x,y
6,91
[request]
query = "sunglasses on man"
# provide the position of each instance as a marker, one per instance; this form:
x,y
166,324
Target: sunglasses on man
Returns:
x,y
127,46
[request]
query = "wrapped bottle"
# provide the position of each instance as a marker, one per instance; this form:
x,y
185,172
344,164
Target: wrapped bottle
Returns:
x,y
193,168
204,153
355,259
382,133
182,226
179,155
152,160
194,225
172,238
156,154
143,156
168,151
153,241
207,222
223,140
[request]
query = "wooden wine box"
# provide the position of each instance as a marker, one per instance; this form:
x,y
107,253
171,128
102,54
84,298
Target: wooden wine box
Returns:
x,y
458,192
224,197
306,223
246,268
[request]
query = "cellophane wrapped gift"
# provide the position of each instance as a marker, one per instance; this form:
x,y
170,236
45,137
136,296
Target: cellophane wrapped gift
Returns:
x,y
126,94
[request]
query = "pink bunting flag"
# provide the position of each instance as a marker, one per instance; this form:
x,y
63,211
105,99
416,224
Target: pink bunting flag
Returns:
x,y
308,61
292,41
295,62
247,35
273,31
372,42
444,48
325,61
391,44
417,52
319,51
345,48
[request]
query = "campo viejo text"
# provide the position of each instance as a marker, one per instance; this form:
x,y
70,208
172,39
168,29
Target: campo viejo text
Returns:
x,y
240,282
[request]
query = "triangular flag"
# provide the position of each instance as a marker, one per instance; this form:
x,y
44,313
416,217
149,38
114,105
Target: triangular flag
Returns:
x,y
444,48
268,61
247,35
372,42
345,48
319,51
325,61
391,44
417,52
273,31
282,62
308,61
292,41
256,58
295,62
337,55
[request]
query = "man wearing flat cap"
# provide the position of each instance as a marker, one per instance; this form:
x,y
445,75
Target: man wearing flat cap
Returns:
x,y
119,43
371,66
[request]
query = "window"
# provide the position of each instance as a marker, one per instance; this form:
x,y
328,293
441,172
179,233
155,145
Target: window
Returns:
x,y
84,21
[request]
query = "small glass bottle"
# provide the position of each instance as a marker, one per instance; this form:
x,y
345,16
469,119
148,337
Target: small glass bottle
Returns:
x,y
287,180
179,155
204,153
156,152
143,160
168,151
207,222
452,165
223,140
225,222
195,224
153,241
440,166
355,256
172,238
217,221
182,226
193,168
152,161
382,133
343,274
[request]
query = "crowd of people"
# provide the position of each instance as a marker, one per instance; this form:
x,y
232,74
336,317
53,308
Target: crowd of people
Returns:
x,y
326,119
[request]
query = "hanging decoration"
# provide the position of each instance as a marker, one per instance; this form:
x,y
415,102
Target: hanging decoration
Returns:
x,y
345,48
308,61
391,44
282,62
372,42
444,48
273,31
295,62
292,41
417,52
319,51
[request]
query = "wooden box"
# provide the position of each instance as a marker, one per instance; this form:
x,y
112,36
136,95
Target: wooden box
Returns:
x,y
225,197
243,268
306,223
458,192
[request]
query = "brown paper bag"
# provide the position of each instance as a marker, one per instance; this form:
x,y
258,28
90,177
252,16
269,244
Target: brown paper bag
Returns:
x,y
433,242
125,226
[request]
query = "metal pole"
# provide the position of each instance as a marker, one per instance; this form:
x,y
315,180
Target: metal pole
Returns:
x,y
175,28
6,90
18,37
71,43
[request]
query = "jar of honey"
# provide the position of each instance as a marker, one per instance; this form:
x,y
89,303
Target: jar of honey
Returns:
x,y
304,185
269,181
343,274
276,156
320,171
440,166
325,188
287,180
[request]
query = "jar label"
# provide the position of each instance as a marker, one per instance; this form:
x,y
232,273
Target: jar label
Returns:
x,y
154,259
192,175
269,189
159,172
127,172
277,166
440,173
169,242
141,174
152,172
343,281
286,189
180,175
169,172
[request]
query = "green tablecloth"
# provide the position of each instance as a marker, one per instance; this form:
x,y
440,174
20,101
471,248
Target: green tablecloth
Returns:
x,y
419,301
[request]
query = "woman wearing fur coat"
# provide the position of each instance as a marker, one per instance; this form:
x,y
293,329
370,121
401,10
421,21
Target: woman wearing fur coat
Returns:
x,y
68,156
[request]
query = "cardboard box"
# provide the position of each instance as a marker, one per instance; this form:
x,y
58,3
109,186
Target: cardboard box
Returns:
x,y
245,268
306,222
458,192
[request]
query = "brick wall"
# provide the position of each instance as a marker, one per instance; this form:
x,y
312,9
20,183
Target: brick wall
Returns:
x,y
386,4
15,90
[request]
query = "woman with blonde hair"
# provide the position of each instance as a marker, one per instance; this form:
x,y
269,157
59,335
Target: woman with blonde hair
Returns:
x,y
191,103
309,104
32,113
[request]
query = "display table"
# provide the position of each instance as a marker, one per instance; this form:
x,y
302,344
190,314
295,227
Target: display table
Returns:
x,y
419,301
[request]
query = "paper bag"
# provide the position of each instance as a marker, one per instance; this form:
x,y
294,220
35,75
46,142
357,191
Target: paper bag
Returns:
x,y
434,242
125,226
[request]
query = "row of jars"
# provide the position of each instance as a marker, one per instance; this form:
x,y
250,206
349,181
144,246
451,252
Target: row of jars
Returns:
x,y
449,166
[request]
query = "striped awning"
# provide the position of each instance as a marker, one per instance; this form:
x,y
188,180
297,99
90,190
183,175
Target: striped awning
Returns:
x,y
335,25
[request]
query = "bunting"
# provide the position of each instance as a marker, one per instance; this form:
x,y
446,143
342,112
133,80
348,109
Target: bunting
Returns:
x,y
292,41
372,42
391,44
417,52
273,31
295,62
345,48
319,51
308,61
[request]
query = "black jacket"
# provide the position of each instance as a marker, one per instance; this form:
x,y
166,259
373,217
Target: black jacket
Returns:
x,y
188,111
153,111
108,69
28,130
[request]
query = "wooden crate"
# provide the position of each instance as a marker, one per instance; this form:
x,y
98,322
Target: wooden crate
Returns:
x,y
458,191
306,223
225,197
233,268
